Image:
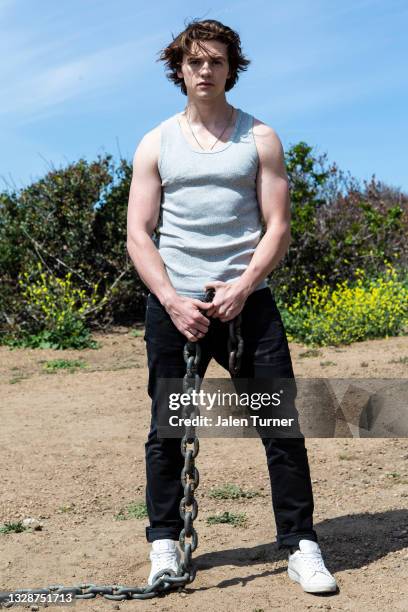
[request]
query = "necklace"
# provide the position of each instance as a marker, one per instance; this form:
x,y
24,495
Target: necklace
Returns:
x,y
191,129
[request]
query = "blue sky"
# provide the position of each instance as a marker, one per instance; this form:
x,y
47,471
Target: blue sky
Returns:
x,y
79,77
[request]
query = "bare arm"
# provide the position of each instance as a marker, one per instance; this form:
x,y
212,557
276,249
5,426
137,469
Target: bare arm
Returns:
x,y
274,201
142,218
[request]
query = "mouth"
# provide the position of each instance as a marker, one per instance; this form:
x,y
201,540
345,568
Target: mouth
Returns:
x,y
205,85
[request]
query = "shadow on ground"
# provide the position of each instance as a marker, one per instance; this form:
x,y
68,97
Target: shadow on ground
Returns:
x,y
347,542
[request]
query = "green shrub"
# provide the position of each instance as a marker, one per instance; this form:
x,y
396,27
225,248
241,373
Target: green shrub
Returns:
x,y
337,225
55,313
352,311
74,219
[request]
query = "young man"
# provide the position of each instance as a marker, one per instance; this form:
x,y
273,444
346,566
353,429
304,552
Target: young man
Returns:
x,y
202,178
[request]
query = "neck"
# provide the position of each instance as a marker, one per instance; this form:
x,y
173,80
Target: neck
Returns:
x,y
208,112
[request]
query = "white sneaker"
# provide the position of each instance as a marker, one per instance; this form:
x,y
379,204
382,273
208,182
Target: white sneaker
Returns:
x,y
164,555
307,567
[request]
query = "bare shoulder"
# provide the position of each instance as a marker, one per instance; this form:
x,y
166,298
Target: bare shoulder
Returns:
x,y
269,146
266,137
148,149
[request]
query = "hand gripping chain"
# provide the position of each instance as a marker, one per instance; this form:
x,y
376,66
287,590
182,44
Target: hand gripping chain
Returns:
x,y
164,580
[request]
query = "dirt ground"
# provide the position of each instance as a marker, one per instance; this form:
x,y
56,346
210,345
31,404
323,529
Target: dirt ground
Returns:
x,y
72,456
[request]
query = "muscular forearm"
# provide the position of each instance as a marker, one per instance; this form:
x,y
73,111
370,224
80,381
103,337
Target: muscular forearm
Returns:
x,y
150,267
270,250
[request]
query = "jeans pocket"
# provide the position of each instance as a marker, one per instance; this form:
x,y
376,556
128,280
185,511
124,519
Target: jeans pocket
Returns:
x,y
158,323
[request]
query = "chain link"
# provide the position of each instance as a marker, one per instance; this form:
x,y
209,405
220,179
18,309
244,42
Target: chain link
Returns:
x,y
188,508
235,345
189,449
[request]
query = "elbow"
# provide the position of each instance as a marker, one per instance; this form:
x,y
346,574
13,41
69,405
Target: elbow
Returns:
x,y
280,231
136,239
129,242
132,244
133,237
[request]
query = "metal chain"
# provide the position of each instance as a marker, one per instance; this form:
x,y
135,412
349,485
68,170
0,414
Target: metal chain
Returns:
x,y
235,345
164,582
189,449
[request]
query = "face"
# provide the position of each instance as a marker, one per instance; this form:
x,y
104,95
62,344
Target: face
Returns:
x,y
199,67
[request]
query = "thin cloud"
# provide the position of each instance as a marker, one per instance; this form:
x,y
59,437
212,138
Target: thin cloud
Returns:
x,y
39,89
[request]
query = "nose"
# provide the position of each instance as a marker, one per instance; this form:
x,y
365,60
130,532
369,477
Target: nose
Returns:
x,y
205,68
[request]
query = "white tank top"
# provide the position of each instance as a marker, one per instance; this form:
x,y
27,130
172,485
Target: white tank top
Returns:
x,y
209,224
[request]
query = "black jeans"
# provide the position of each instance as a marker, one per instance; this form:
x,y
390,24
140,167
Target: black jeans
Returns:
x,y
266,353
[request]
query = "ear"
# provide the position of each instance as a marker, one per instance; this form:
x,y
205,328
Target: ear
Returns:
x,y
179,73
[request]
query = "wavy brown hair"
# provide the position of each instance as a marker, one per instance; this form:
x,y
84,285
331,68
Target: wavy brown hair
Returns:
x,y
196,32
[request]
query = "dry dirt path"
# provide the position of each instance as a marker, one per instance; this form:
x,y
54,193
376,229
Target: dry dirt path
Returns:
x,y
72,455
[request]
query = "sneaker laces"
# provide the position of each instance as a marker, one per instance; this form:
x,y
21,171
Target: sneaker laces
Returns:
x,y
314,561
163,557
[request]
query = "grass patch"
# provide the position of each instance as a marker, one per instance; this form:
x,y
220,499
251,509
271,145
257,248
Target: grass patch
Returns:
x,y
137,333
134,510
124,366
310,353
231,491
67,508
236,519
17,379
396,478
346,457
12,527
49,340
403,360
327,363
54,365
